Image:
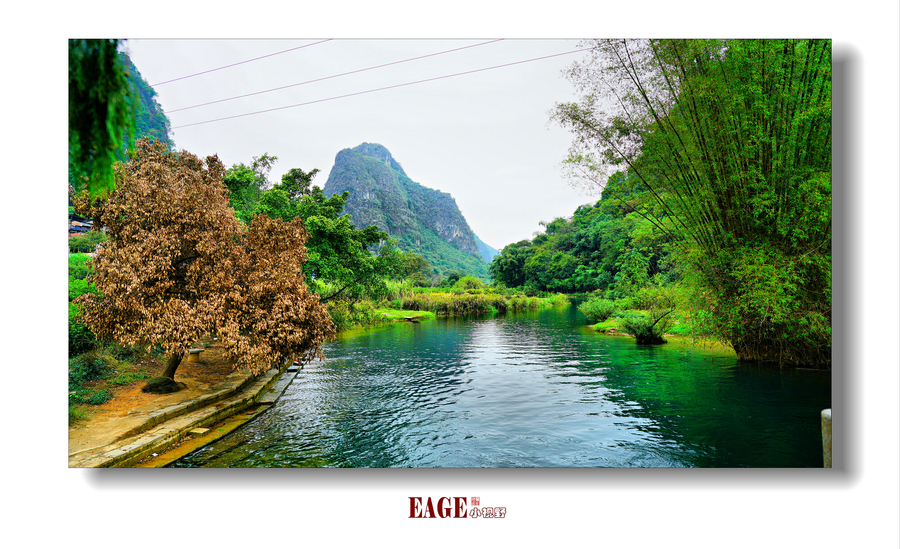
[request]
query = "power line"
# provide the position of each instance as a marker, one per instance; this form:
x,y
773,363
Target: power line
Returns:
x,y
380,89
238,63
333,76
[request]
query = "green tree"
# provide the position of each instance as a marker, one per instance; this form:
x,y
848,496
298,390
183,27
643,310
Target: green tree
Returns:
x,y
633,273
356,262
244,192
417,269
296,182
247,184
508,266
730,141
469,282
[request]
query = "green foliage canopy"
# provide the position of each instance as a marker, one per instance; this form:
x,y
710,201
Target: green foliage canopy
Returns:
x,y
601,247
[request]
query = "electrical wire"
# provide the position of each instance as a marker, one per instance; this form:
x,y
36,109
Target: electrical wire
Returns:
x,y
332,76
379,89
235,64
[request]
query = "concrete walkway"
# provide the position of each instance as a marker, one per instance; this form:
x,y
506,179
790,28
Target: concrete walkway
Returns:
x,y
148,430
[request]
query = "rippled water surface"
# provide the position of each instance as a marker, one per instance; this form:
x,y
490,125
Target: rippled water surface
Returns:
x,y
531,389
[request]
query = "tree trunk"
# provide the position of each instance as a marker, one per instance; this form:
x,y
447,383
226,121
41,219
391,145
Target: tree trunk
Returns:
x,y
166,383
171,366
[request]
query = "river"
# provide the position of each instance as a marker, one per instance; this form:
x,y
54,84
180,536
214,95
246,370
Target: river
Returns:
x,y
529,389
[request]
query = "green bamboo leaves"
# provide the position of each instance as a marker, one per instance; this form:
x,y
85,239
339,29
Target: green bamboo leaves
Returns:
x,y
731,143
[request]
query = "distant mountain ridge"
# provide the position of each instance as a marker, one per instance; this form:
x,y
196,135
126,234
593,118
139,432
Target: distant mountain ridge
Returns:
x,y
422,220
486,251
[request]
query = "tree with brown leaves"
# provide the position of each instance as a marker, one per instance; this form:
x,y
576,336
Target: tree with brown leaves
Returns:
x,y
179,267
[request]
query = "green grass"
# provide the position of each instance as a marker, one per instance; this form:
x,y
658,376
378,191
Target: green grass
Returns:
x,y
610,324
402,314
404,301
76,414
126,377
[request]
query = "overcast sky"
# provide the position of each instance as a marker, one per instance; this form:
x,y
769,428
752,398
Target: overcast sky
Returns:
x,y
484,137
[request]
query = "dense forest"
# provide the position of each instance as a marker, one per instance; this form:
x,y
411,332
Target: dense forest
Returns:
x,y
605,247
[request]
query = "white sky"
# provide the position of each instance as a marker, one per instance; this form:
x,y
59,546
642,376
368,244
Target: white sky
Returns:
x,y
486,137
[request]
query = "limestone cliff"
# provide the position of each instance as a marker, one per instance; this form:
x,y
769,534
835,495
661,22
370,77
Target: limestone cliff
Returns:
x,y
422,220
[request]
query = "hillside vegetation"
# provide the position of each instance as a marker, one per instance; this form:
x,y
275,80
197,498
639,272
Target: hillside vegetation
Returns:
x,y
422,220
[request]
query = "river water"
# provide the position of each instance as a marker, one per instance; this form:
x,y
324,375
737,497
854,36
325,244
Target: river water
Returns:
x,y
529,389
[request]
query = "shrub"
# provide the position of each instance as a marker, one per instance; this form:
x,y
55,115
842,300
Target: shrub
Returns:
x,y
340,315
414,303
87,242
420,280
79,286
646,329
470,304
76,414
598,310
348,315
80,338
451,278
614,294
469,282
129,353
90,396
521,302
499,303
398,289
455,304
89,366
78,267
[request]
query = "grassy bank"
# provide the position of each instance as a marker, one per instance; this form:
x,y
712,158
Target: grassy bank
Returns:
x,y
95,375
425,303
680,331
404,315
475,302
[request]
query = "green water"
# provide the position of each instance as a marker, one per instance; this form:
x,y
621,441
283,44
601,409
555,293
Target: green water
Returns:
x,y
530,389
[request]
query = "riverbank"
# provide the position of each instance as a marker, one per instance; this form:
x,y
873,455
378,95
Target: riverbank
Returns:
x,y
133,425
136,429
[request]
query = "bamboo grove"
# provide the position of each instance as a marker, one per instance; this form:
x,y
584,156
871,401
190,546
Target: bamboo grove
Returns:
x,y
727,148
